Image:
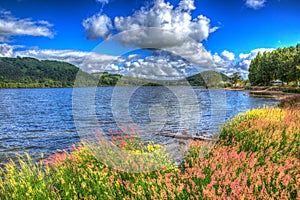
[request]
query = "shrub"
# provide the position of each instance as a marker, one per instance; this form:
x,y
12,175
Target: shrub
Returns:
x,y
290,102
297,91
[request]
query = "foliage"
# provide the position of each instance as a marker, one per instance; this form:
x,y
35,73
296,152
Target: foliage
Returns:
x,y
106,79
280,64
292,90
32,73
292,101
235,78
257,157
208,78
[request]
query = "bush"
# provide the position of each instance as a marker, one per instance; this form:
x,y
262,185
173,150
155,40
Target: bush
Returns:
x,y
297,91
292,101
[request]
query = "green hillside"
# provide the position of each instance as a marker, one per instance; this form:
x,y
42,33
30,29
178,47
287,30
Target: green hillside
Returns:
x,y
209,78
106,79
32,73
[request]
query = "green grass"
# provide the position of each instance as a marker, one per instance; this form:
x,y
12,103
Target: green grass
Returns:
x,y
257,157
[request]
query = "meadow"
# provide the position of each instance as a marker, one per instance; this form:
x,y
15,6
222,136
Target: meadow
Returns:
x,y
256,157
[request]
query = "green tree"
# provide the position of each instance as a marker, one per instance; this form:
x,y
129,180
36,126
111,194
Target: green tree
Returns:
x,y
297,64
265,68
286,66
235,78
279,64
254,68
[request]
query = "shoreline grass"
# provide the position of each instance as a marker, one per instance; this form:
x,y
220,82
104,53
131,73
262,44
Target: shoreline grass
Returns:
x,y
257,157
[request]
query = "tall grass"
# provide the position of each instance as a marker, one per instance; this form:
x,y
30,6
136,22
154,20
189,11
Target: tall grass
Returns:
x,y
292,101
257,157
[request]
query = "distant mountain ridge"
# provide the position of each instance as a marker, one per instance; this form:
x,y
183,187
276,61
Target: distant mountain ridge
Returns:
x,y
32,73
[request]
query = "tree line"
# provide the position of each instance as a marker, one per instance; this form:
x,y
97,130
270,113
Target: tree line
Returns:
x,y
281,64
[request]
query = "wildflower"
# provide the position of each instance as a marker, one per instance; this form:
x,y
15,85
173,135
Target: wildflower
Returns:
x,y
286,180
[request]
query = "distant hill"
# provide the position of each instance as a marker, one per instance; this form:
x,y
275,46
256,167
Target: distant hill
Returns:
x,y
106,79
29,72
32,73
208,78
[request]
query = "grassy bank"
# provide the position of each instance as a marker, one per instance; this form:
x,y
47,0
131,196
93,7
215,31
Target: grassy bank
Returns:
x,y
257,157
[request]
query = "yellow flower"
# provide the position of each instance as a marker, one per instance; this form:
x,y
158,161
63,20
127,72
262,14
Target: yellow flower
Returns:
x,y
83,184
117,184
150,148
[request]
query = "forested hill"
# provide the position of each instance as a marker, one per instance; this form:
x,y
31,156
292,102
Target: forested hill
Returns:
x,y
32,73
29,72
208,78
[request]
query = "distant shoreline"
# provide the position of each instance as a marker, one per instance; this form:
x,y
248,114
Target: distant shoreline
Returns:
x,y
255,91
267,91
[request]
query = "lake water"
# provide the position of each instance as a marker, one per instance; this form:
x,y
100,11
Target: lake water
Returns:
x,y
43,120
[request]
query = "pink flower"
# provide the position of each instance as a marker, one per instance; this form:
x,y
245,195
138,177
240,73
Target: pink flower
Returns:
x,y
286,180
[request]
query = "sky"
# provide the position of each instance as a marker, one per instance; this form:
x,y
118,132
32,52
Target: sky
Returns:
x,y
148,39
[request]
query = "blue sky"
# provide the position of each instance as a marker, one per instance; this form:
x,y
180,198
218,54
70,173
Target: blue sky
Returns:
x,y
225,34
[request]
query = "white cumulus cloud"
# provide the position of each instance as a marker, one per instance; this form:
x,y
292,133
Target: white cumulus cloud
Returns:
x,y
228,55
163,67
163,16
97,26
6,50
151,67
12,26
162,26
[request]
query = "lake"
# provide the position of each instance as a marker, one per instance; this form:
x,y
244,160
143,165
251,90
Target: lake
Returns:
x,y
40,121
